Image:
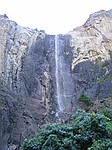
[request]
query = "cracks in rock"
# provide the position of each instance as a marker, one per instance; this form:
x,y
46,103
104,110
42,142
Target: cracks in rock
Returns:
x,y
104,37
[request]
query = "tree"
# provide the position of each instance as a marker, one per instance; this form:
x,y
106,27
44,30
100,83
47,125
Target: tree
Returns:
x,y
86,131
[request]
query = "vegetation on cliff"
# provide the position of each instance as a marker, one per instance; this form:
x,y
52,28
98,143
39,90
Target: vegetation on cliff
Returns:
x,y
85,131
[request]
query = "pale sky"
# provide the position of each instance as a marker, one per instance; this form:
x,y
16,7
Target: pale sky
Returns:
x,y
53,16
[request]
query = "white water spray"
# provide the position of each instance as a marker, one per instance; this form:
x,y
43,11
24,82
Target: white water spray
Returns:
x,y
57,74
64,82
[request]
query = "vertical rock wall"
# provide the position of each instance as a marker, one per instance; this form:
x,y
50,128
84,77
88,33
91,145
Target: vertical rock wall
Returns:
x,y
28,96
92,56
26,88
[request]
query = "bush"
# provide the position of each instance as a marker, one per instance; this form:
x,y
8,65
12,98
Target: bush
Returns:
x,y
86,131
101,145
107,112
83,98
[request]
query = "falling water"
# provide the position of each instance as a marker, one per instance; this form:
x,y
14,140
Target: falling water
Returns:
x,y
57,74
63,75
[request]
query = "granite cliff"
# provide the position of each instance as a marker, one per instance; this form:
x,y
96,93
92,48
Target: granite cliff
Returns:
x,y
30,68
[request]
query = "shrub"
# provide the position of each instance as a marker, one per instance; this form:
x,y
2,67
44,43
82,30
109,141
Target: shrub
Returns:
x,y
107,112
83,98
104,144
86,131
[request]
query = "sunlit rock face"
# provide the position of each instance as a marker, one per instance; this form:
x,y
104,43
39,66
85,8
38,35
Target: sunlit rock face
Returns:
x,y
92,56
93,39
29,73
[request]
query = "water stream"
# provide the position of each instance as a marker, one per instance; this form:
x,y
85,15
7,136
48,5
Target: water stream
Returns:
x,y
63,75
57,73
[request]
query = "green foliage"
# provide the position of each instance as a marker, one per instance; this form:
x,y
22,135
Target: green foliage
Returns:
x,y
83,98
110,96
92,127
1,103
98,60
107,112
1,89
86,131
105,79
103,144
105,64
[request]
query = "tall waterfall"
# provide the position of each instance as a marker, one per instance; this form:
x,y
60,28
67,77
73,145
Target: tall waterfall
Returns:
x,y
57,73
63,75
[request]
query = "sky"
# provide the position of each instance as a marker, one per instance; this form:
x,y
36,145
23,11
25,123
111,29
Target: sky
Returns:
x,y
53,16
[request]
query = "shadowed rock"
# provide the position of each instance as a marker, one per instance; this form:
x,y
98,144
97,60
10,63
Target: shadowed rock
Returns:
x,y
28,91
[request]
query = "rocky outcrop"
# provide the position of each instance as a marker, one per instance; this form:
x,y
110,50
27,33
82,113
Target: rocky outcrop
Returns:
x,y
26,84
28,89
92,56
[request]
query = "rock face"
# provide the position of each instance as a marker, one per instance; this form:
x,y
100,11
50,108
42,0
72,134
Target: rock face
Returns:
x,y
28,88
25,82
92,56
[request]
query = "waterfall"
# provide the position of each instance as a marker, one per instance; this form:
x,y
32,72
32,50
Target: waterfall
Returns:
x,y
63,75
57,73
